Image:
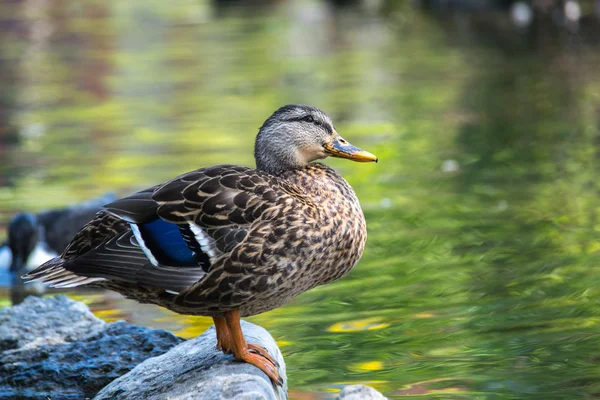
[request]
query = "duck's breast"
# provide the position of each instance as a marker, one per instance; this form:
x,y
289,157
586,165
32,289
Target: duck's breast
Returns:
x,y
336,232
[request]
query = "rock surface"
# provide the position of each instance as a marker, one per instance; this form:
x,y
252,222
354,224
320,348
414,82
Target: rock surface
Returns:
x,y
56,348
196,370
360,392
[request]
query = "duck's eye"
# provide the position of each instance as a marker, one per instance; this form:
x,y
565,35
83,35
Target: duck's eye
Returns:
x,y
309,118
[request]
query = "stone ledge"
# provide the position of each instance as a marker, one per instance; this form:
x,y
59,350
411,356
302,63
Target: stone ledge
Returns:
x,y
56,348
197,370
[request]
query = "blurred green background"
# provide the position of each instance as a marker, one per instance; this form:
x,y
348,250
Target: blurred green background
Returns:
x,y
480,279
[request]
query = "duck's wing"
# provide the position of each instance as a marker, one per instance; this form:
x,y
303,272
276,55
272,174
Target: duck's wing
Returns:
x,y
64,271
219,204
136,208
106,249
167,236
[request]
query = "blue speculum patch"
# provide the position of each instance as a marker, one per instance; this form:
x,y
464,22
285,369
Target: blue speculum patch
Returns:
x,y
166,244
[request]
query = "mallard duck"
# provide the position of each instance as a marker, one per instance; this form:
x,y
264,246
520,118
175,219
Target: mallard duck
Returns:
x,y
230,241
37,238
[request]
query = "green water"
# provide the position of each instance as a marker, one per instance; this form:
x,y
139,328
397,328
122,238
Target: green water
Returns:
x,y
481,275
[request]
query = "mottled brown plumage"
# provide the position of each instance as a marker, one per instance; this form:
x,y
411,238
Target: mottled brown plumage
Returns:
x,y
227,240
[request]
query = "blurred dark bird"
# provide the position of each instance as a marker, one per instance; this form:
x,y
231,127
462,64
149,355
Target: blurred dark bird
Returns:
x,y
230,241
36,238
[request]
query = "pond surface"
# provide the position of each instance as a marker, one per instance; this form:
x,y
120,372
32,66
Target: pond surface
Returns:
x,y
481,277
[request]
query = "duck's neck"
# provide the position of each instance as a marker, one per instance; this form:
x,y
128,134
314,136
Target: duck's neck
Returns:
x,y
274,157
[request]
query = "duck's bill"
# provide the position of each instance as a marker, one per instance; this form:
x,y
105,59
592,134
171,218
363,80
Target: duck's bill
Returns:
x,y
340,148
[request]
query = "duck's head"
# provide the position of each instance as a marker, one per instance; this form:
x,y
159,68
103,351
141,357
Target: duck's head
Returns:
x,y
23,235
297,134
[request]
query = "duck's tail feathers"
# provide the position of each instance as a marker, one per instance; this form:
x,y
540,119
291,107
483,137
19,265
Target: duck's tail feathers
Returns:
x,y
54,274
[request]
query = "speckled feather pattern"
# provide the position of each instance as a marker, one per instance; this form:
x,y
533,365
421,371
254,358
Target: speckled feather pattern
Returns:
x,y
272,238
310,232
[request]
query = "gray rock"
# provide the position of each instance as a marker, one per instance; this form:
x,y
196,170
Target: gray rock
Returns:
x,y
196,370
360,392
56,348
37,322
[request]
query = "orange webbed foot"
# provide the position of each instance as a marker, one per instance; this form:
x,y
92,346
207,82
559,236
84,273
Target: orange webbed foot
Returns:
x,y
261,351
263,363
250,353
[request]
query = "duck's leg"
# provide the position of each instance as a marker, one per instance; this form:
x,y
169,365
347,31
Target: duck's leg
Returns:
x,y
224,341
253,354
223,337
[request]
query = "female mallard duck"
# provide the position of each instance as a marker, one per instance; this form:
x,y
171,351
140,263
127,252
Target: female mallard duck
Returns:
x,y
229,241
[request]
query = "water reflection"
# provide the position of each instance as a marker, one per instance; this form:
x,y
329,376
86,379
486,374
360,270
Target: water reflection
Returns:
x,y
480,274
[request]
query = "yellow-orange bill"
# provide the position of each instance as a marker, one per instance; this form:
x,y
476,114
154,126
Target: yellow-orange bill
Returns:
x,y
340,148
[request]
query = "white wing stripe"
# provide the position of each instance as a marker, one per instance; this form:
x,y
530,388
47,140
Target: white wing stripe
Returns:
x,y
145,249
206,242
